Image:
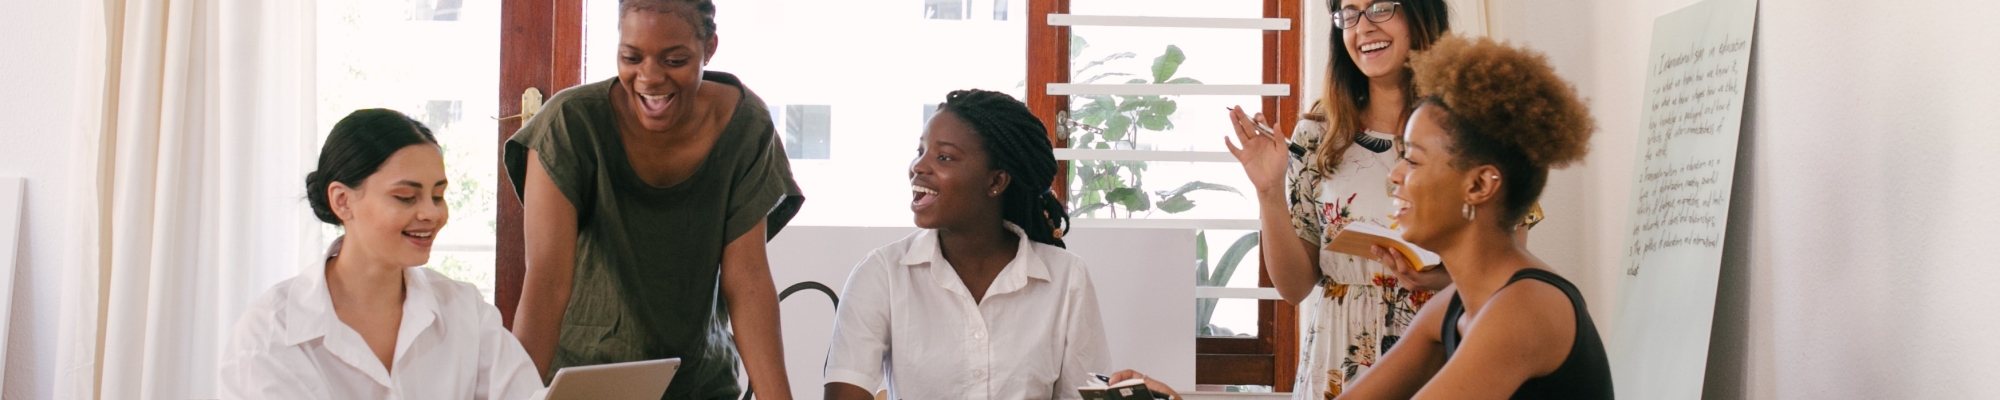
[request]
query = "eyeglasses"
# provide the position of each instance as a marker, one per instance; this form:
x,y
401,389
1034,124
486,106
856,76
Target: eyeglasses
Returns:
x,y
1347,17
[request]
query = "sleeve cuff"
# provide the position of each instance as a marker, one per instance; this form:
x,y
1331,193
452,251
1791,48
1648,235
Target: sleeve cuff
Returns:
x,y
854,378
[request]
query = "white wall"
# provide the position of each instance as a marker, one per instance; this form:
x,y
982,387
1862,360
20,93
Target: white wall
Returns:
x,y
40,108
1854,264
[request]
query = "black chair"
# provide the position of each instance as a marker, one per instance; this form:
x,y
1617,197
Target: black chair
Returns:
x,y
795,288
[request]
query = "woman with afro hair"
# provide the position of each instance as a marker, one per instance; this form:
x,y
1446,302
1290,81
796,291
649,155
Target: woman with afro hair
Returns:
x,y
1490,122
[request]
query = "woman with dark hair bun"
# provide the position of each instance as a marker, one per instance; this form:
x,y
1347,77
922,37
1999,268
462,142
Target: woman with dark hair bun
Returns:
x,y
646,203
368,321
984,301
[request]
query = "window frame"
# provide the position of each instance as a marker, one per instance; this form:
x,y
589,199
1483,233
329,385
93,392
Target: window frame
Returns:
x,y
542,43
541,47
1271,358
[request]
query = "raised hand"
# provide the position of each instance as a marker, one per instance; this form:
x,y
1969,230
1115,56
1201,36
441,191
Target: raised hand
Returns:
x,y
1262,152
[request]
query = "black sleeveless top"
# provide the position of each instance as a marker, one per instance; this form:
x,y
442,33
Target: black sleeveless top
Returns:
x,y
1586,374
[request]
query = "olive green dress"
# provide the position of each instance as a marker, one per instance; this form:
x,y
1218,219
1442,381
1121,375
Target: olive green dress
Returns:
x,y
648,258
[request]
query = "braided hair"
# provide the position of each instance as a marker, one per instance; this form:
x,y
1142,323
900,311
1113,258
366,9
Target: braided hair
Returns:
x,y
703,18
1017,143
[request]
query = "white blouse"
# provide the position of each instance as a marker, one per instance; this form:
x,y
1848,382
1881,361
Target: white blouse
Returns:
x,y
289,345
905,314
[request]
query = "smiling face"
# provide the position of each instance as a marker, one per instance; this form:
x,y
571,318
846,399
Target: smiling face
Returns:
x,y
660,60
396,213
1380,49
952,181
1430,191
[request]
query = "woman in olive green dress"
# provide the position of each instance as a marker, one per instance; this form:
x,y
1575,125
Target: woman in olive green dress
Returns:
x,y
647,199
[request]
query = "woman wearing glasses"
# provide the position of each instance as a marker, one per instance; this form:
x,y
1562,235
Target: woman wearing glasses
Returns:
x,y
1334,172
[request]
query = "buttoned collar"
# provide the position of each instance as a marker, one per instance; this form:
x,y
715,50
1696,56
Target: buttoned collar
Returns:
x,y
310,315
1025,265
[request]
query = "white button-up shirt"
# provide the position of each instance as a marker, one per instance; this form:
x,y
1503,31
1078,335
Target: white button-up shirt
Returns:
x,y
906,314
289,345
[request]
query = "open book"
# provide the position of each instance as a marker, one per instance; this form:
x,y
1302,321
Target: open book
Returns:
x,y
1358,237
1129,389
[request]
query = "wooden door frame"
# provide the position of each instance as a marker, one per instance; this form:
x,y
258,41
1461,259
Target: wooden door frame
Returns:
x,y
541,47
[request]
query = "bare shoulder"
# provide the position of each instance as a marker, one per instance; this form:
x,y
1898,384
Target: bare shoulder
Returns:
x,y
1533,317
1430,318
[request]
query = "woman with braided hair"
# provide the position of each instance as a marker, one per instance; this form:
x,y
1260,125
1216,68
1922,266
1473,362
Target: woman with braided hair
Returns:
x,y
646,202
983,302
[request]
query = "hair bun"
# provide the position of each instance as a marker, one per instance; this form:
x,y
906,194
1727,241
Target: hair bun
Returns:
x,y
316,184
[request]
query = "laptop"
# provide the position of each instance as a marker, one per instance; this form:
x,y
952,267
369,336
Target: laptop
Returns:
x,y
637,380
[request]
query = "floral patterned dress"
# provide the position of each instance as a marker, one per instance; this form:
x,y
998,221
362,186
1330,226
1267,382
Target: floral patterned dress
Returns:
x,y
1357,312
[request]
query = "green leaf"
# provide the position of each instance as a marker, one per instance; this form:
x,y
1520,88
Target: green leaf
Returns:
x,y
1227,267
1116,128
1176,204
1183,81
1153,122
1136,82
1165,106
1131,103
1201,248
1107,180
1199,185
1130,198
1167,64
1092,197
1076,45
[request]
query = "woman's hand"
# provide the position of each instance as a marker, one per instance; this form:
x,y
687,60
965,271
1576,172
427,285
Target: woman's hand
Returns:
x,y
1407,276
1155,386
1263,153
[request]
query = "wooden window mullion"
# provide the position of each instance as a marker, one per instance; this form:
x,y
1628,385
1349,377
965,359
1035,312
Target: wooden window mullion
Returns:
x,y
541,47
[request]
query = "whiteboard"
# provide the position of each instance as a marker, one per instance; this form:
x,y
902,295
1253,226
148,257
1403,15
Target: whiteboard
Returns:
x,y
1144,279
1689,124
13,192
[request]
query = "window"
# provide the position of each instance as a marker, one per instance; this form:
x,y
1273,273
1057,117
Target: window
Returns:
x,y
392,54
964,9
806,129
848,73
945,9
433,10
1139,109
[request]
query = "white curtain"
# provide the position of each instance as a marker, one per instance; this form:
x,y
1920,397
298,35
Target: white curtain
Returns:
x,y
195,200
